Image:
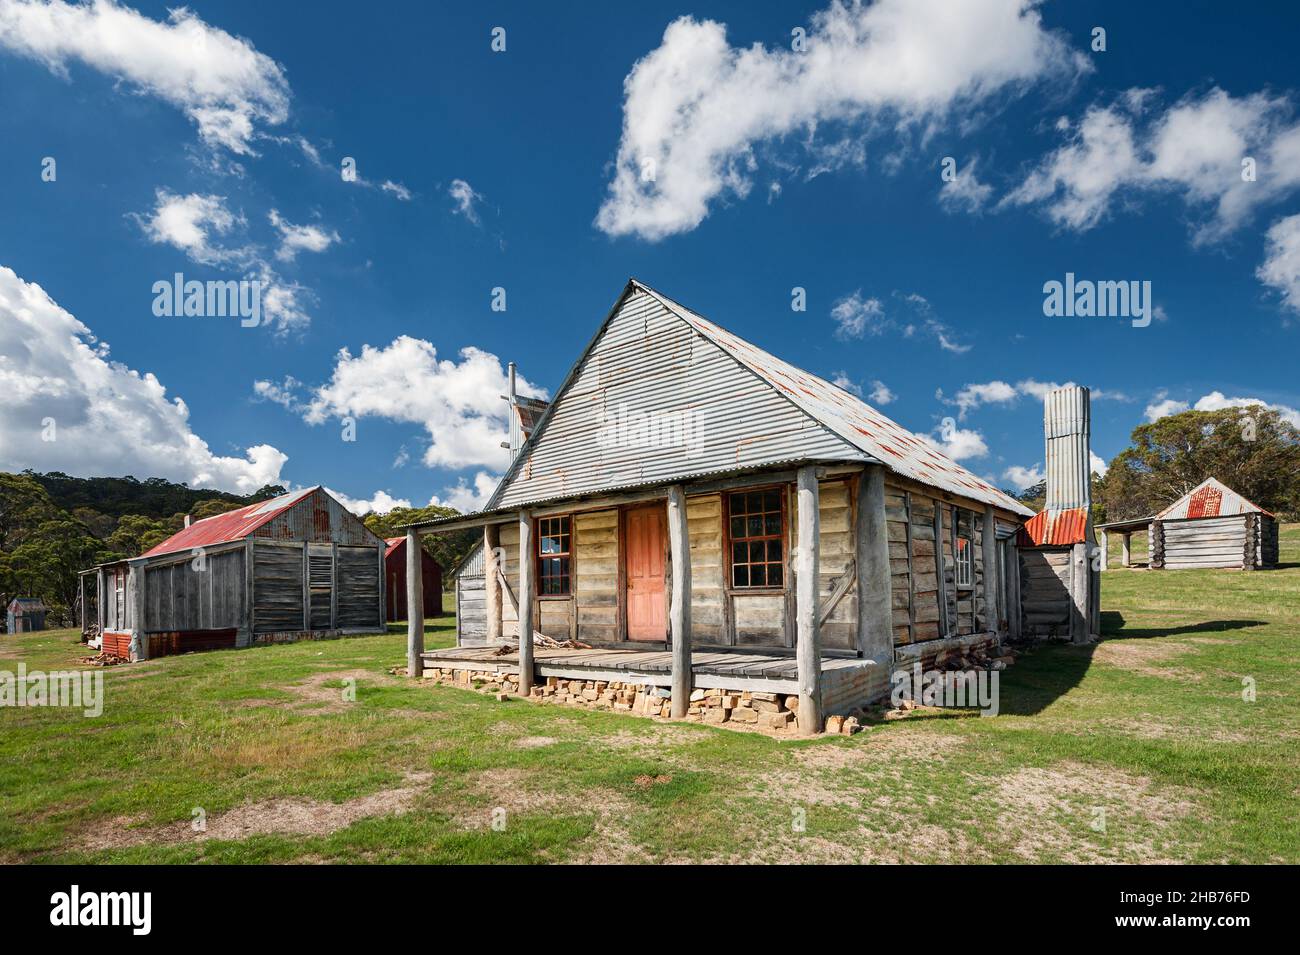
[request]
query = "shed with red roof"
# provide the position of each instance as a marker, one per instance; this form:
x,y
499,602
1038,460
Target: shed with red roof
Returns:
x,y
299,566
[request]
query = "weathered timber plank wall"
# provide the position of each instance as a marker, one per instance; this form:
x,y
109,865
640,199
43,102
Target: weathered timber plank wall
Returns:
x,y
838,549
179,597
1045,592
708,583
595,580
277,587
358,589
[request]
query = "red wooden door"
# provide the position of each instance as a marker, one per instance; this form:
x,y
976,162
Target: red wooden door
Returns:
x,y
647,615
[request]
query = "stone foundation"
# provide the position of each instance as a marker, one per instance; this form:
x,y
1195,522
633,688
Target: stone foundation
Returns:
x,y
771,712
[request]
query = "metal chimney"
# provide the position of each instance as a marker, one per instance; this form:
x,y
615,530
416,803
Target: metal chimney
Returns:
x,y
1067,427
187,520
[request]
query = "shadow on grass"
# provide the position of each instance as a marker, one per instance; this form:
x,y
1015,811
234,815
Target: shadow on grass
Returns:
x,y
1112,627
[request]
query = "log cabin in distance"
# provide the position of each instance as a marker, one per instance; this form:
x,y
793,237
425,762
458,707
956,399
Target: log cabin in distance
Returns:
x,y
299,566
706,517
1209,526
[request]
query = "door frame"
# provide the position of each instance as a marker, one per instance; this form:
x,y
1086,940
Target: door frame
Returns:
x,y
662,507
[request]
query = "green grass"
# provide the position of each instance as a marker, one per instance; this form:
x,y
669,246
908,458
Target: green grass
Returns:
x,y
1148,729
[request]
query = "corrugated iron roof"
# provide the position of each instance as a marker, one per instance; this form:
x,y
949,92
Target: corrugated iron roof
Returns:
x,y
530,411
391,544
1055,528
1210,498
848,416
230,526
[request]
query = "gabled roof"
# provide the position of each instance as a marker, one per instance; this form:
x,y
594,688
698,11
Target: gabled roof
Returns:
x,y
864,428
230,526
22,604
1210,498
391,544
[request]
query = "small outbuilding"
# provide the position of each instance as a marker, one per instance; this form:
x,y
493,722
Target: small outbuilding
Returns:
x,y
299,566
395,581
1209,526
25,615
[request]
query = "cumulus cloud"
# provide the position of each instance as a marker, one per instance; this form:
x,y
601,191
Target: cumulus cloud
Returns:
x,y
880,393
464,197
1023,478
469,496
396,189
66,406
458,403
191,223
957,443
219,81
300,238
977,394
1281,267
1217,401
381,502
842,380
696,109
1195,150
1097,464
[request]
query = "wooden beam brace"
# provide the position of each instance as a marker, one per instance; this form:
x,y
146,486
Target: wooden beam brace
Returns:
x,y
414,607
808,642
679,613
875,588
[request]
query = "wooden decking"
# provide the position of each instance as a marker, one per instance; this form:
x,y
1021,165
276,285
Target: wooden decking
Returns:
x,y
724,669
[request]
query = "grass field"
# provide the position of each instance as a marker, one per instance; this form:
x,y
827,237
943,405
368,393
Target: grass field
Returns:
x,y
1139,749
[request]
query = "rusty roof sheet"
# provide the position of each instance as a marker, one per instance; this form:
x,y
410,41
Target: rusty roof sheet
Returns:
x,y
530,411
1055,528
1210,498
230,526
848,416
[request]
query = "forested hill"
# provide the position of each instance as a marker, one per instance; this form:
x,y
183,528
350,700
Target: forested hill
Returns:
x,y
153,497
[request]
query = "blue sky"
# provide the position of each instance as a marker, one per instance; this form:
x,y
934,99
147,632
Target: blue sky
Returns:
x,y
211,144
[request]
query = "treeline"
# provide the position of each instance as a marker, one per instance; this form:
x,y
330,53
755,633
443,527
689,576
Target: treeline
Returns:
x,y
53,525
1252,450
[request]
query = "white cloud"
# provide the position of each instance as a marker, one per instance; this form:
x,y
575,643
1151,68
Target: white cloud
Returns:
x,y
696,108
1096,464
283,393
956,443
965,192
977,394
106,418
466,497
381,502
1023,478
396,189
1281,268
1164,407
189,223
220,81
300,238
880,393
1216,401
855,316
842,380
1195,150
457,402
463,194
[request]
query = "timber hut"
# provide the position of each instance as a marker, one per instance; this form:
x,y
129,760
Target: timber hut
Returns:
x,y
471,603
694,516
395,581
299,566
1209,526
25,615
1059,587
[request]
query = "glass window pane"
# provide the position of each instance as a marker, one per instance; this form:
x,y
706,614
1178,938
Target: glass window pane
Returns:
x,y
737,503
754,527
740,575
738,553
772,500
757,550
774,575
754,501
737,527
774,550
772,524
758,575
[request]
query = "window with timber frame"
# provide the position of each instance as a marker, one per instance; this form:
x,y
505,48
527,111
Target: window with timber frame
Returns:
x,y
554,553
965,563
756,531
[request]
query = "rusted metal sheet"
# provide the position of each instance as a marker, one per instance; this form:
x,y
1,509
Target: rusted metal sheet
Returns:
x,y
231,526
1055,528
749,409
1210,498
